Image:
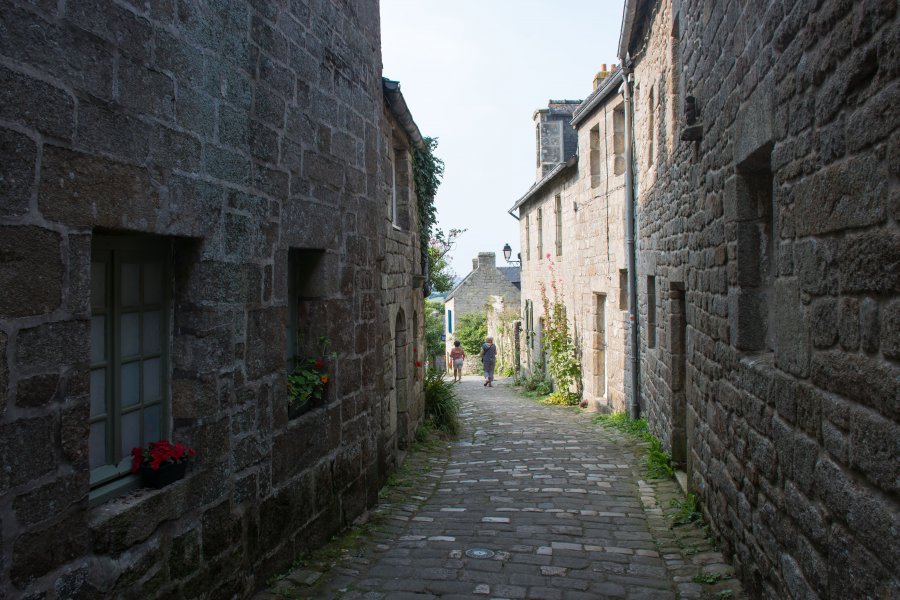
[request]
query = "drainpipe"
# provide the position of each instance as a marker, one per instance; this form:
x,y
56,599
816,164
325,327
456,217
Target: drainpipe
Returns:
x,y
632,402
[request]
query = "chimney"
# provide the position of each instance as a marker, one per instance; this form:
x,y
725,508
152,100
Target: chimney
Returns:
x,y
487,260
602,74
474,263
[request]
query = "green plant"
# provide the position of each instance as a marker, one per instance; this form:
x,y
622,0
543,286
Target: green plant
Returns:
x,y
439,247
708,578
441,403
687,510
307,381
471,330
657,462
561,399
434,328
563,363
428,170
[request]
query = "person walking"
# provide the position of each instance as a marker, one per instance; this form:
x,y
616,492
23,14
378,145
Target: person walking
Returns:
x,y
488,360
457,356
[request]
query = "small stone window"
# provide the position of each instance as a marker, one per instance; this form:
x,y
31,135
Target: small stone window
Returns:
x,y
557,213
400,181
651,311
528,237
619,139
755,252
540,232
449,321
596,164
651,127
129,366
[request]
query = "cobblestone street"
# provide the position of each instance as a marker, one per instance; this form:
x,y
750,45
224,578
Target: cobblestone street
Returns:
x,y
533,502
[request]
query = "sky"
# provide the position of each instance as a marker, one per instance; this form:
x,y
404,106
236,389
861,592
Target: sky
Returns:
x,y
473,72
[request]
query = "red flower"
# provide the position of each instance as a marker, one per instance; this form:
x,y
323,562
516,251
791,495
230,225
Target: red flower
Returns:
x,y
319,364
418,363
324,378
158,453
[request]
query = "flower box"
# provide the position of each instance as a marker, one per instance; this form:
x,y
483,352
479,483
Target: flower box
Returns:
x,y
166,474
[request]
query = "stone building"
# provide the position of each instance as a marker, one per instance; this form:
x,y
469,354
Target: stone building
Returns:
x,y
484,286
766,168
190,198
571,225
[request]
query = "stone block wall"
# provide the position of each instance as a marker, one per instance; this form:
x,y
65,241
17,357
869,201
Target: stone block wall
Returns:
x,y
773,244
593,254
232,134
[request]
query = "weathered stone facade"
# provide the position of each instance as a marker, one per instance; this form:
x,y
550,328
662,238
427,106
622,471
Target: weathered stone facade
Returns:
x,y
243,155
475,293
589,258
770,250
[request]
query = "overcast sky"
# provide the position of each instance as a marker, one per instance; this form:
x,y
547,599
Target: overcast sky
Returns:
x,y
473,72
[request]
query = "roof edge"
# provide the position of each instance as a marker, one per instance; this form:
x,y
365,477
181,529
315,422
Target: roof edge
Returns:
x,y
397,103
604,91
545,181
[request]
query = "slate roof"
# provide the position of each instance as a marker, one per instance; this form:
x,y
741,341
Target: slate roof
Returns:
x,y
513,274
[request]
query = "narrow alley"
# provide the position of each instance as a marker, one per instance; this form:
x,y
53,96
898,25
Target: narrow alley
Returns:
x,y
534,501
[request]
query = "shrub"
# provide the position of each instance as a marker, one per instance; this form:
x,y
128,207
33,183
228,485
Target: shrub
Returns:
x,y
471,331
441,403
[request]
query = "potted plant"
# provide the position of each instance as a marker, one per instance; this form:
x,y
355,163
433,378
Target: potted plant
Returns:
x,y
161,463
306,383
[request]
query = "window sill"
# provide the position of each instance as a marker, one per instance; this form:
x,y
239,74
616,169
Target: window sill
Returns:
x,y
113,489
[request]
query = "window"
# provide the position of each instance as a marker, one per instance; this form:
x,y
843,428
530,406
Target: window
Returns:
x,y
528,237
651,312
400,182
557,211
449,321
756,235
600,347
596,169
623,289
529,323
306,297
651,128
619,139
129,355
540,228
394,211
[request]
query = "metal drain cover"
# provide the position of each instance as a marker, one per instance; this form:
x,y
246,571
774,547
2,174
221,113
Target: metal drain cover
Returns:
x,y
479,553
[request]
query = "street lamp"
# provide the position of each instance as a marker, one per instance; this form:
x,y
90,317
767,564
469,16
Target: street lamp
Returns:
x,y
507,252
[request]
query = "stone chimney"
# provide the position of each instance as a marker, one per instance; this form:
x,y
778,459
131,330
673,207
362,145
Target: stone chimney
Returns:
x,y
602,74
474,263
486,260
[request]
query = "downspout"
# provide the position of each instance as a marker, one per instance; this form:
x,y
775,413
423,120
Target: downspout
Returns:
x,y
632,402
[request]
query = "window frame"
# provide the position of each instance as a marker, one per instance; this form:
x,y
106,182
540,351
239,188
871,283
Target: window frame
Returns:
x,y
112,252
557,210
540,228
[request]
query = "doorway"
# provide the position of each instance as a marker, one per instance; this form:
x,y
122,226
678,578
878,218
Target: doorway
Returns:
x,y
599,347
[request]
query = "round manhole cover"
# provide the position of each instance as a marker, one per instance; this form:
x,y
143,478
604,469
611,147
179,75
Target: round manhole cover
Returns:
x,y
479,553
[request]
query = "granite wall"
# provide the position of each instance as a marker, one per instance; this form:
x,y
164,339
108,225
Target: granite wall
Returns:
x,y
768,280
231,135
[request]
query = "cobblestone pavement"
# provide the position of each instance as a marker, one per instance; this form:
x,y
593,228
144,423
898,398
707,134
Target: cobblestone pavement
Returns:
x,y
532,501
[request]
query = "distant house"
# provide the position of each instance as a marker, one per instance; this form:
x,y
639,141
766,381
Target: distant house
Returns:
x,y
477,290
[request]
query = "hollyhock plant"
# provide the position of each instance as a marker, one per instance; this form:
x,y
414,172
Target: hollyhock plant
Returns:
x,y
160,453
